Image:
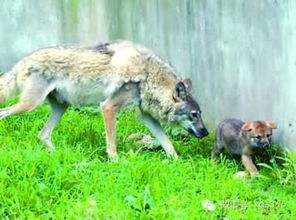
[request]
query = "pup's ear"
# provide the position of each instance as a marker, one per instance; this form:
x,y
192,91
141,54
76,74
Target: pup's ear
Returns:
x,y
180,92
248,126
271,124
187,82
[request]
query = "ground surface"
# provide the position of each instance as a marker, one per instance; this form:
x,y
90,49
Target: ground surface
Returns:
x,y
77,181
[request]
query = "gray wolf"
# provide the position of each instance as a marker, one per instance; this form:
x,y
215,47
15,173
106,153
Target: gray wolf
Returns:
x,y
112,75
244,139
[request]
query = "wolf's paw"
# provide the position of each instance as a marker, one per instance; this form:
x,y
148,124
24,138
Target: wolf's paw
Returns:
x,y
240,175
173,156
51,149
47,142
49,146
113,157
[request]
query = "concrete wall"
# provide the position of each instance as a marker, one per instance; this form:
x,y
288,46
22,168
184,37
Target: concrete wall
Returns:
x,y
240,54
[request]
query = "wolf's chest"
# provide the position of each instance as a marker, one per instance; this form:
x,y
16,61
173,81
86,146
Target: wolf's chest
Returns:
x,y
85,93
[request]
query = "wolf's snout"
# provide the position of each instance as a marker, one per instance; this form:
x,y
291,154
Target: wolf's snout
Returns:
x,y
199,133
204,132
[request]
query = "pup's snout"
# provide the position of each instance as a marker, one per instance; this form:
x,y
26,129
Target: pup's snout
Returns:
x,y
264,144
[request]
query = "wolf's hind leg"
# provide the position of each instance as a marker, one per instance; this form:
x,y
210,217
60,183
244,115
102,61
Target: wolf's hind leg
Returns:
x,y
58,110
158,132
32,95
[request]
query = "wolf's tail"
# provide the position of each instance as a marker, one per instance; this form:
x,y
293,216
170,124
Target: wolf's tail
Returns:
x,y
7,86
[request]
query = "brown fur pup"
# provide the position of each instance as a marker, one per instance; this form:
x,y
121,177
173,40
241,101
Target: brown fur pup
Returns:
x,y
245,139
111,75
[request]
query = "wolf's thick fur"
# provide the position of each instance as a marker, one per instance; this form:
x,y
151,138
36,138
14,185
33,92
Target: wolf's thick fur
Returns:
x,y
7,86
111,74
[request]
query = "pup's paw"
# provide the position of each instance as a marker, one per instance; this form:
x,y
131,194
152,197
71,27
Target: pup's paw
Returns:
x,y
254,175
214,160
240,175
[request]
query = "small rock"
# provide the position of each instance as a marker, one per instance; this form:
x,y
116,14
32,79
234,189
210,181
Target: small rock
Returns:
x,y
147,140
135,136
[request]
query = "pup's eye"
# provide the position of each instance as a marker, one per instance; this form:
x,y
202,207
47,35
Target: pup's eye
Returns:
x,y
194,114
258,137
268,135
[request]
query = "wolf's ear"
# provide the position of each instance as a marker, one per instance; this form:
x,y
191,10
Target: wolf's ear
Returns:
x,y
187,82
248,126
271,124
180,92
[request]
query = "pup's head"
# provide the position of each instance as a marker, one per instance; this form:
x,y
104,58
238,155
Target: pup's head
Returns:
x,y
187,113
259,133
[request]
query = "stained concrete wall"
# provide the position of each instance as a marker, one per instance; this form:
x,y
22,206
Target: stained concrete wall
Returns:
x,y
241,55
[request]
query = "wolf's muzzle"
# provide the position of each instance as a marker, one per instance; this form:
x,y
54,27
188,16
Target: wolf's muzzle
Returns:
x,y
200,133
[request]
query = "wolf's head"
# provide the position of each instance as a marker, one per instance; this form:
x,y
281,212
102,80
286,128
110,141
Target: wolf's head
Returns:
x,y
187,113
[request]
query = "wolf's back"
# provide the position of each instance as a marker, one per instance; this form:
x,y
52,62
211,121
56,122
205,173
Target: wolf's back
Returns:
x,y
7,86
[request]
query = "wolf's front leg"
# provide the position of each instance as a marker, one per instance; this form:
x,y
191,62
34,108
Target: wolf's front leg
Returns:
x,y
109,113
158,132
110,107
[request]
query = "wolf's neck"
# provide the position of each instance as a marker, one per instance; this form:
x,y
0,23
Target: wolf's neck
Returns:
x,y
157,90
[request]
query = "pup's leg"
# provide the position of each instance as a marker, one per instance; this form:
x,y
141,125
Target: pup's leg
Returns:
x,y
110,107
218,147
32,95
58,110
249,165
158,132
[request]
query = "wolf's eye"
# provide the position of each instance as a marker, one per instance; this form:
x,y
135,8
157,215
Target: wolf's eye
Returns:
x,y
268,135
258,137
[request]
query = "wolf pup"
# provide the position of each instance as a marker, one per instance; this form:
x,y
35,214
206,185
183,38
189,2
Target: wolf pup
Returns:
x,y
114,75
243,139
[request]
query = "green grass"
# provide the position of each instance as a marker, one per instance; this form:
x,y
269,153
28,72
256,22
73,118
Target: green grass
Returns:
x,y
78,182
